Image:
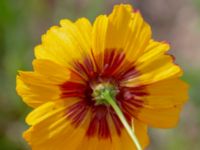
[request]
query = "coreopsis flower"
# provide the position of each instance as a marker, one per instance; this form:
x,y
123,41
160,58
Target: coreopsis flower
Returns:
x,y
100,85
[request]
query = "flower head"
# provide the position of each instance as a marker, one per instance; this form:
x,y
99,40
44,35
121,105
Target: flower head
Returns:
x,y
80,66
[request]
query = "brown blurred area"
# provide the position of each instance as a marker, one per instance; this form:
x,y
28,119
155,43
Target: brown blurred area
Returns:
x,y
23,22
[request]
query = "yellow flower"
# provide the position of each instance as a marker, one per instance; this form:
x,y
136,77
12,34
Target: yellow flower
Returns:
x,y
74,66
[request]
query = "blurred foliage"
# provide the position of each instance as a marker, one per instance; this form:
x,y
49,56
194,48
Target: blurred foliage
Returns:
x,y
193,78
197,2
22,23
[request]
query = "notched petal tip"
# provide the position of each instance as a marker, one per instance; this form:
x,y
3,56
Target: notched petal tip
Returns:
x,y
127,7
83,20
66,22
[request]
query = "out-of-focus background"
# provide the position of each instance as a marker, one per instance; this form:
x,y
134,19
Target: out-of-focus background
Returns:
x,y
22,22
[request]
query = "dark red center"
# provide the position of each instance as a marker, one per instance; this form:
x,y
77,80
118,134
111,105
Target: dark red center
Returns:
x,y
113,69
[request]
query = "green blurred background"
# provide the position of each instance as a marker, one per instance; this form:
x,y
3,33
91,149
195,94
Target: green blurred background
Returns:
x,y
22,22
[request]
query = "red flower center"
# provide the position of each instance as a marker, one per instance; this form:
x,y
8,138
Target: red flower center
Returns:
x,y
94,75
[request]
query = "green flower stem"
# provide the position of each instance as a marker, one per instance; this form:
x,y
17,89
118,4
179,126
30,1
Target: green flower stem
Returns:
x,y
107,96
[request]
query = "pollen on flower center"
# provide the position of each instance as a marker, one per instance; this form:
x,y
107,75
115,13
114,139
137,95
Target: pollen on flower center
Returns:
x,y
98,90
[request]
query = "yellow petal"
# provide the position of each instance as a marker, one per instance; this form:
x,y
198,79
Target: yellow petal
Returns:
x,y
160,118
51,129
162,105
141,131
42,85
154,71
53,72
64,44
118,26
36,93
127,31
166,94
98,39
85,28
153,51
117,142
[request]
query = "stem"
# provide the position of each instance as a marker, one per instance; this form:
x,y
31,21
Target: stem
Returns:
x,y
107,96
